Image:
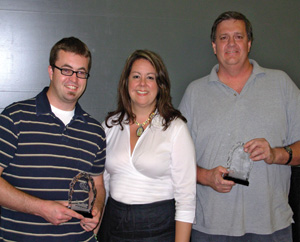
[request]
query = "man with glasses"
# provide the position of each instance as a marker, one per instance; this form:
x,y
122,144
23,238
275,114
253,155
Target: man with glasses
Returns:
x,y
45,142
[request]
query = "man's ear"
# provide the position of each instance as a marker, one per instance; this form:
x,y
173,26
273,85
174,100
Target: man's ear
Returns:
x,y
50,72
249,46
214,47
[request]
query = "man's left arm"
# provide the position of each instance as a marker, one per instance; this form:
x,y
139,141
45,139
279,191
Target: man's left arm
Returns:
x,y
90,224
260,149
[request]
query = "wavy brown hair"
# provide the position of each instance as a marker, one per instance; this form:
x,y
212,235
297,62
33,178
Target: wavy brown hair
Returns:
x,y
163,98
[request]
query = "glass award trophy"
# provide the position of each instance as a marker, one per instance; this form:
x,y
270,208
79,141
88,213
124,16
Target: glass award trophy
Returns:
x,y
239,165
82,194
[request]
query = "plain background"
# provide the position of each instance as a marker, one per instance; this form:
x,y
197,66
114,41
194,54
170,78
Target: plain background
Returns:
x,y
178,30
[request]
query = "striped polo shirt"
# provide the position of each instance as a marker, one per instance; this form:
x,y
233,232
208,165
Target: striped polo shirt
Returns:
x,y
40,156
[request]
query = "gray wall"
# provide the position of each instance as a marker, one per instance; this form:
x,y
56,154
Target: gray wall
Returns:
x,y
176,29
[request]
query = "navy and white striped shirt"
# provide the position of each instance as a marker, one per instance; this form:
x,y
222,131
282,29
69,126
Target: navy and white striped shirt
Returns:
x,y
40,156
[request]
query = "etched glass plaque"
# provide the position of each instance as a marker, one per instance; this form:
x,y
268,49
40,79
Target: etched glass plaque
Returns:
x,y
82,194
239,165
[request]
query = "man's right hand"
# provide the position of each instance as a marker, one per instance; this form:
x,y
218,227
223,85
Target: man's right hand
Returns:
x,y
214,179
57,212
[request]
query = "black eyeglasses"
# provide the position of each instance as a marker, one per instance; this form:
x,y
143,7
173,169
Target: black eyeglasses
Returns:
x,y
69,72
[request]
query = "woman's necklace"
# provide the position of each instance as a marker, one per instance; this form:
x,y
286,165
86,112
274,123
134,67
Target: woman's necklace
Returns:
x,y
140,129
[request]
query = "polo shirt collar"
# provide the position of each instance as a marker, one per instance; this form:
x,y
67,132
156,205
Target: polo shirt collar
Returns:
x,y
257,70
43,106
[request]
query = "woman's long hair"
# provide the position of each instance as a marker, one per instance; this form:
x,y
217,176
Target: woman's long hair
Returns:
x,y
163,98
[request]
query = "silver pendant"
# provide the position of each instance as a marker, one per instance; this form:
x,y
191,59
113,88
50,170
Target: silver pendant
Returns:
x,y
139,131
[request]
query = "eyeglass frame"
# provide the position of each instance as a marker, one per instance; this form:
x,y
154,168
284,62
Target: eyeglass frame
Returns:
x,y
87,75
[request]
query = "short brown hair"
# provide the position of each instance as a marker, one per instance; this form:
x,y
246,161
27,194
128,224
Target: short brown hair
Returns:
x,y
231,15
70,44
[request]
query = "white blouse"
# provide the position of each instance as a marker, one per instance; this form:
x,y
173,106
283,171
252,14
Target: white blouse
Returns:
x,y
162,166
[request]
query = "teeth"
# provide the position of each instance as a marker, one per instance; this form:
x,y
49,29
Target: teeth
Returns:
x,y
141,92
71,87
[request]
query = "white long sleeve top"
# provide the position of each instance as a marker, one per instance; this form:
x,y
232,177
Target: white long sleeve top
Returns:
x,y
162,166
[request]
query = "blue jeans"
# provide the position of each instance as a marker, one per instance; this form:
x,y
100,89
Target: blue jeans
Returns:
x,y
283,235
153,222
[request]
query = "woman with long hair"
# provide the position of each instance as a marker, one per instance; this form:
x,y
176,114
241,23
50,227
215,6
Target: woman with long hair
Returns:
x,y
150,162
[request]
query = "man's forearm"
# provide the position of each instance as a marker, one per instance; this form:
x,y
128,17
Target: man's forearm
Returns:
x,y
15,199
282,156
202,176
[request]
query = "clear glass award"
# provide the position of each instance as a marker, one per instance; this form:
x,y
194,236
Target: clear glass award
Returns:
x,y
82,194
239,165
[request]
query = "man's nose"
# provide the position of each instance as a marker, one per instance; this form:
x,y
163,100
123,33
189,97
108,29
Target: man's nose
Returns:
x,y
231,41
74,77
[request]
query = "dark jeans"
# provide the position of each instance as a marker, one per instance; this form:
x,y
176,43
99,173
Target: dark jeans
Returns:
x,y
153,222
294,200
283,235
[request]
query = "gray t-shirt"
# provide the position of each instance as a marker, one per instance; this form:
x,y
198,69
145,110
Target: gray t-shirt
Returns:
x,y
219,117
